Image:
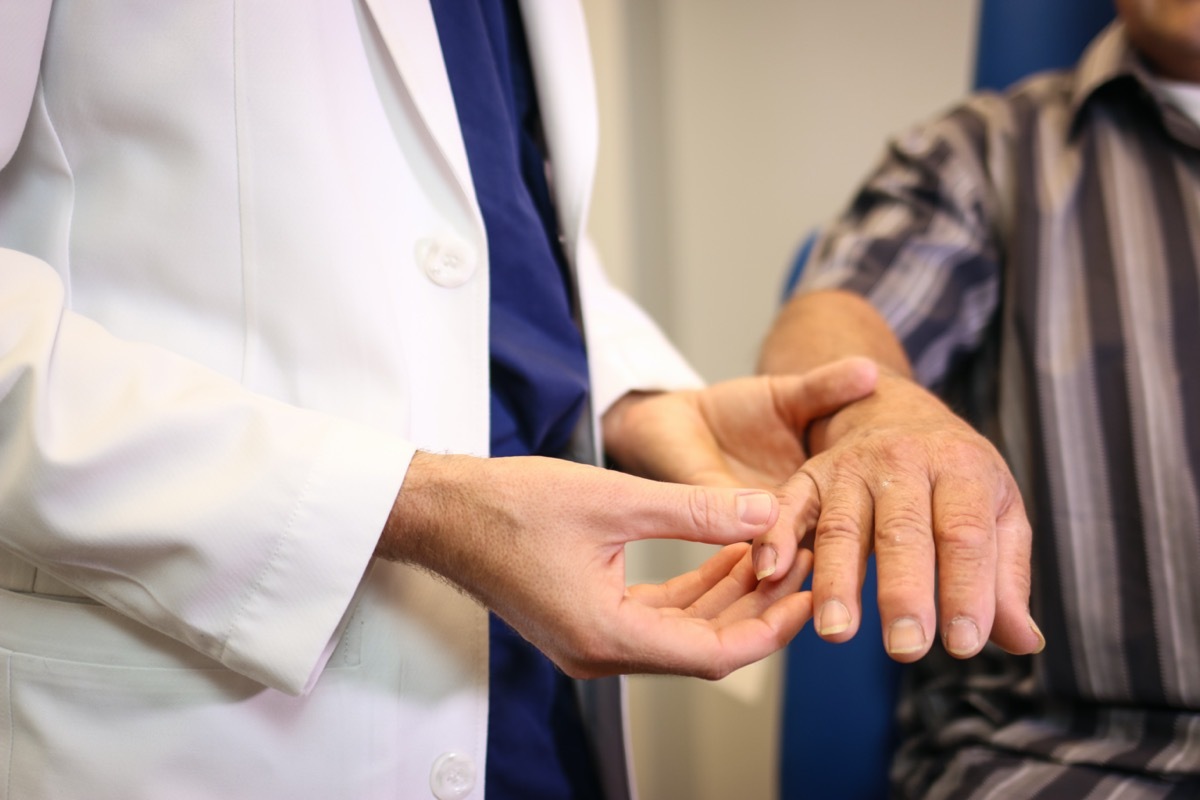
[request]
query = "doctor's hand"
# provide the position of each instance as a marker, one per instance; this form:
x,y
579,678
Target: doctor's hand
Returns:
x,y
742,432
542,543
899,473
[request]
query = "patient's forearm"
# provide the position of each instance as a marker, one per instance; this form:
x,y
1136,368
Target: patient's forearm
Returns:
x,y
816,328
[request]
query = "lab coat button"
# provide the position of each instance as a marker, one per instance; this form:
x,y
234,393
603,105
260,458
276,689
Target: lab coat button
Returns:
x,y
447,262
453,776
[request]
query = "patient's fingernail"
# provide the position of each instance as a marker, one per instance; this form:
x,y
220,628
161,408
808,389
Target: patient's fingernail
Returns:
x,y
1041,639
833,618
755,508
962,636
764,561
905,635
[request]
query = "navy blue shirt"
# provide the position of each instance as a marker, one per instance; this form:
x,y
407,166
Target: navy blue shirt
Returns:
x,y
537,747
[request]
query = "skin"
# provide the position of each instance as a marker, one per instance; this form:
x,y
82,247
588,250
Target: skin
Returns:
x,y
894,472
542,541
1167,32
899,474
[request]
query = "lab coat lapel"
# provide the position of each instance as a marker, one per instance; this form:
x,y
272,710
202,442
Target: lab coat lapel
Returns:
x,y
558,48
410,34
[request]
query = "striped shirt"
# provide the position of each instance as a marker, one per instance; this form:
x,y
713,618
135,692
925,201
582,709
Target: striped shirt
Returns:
x,y
1037,253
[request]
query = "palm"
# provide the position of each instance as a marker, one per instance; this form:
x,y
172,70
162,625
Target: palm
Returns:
x,y
743,432
731,434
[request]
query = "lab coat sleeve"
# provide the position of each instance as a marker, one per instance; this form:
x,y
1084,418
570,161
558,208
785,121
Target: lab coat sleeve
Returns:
x,y
627,351
22,35
232,522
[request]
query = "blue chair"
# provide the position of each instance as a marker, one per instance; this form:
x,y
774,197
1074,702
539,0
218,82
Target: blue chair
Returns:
x,y
1019,37
838,734
796,268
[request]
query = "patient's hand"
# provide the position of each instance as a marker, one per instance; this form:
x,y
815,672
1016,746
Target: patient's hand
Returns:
x,y
900,474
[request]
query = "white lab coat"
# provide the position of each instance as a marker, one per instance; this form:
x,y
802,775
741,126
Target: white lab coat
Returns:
x,y
243,278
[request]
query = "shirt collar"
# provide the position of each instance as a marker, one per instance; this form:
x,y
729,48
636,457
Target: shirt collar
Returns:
x,y
1111,61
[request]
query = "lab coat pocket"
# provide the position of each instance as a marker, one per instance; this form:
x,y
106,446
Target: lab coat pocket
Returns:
x,y
100,731
100,707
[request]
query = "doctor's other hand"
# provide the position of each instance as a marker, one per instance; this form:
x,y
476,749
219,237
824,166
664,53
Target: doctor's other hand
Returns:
x,y
741,432
900,474
542,543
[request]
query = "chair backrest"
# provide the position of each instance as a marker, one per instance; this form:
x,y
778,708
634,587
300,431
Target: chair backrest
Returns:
x,y
1019,37
837,732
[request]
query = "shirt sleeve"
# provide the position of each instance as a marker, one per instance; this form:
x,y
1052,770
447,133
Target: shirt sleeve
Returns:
x,y
235,523
919,241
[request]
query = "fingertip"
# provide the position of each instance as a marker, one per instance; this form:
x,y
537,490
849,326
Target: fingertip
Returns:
x,y
775,553
1041,639
766,560
865,370
757,508
856,374
961,637
1020,638
1017,634
868,366
868,373
833,619
906,639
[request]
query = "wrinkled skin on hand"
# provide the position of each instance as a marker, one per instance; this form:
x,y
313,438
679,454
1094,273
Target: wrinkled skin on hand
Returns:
x,y
898,473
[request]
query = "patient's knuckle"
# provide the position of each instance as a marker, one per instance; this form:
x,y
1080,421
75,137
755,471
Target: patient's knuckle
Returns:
x,y
903,527
964,528
837,525
969,455
904,450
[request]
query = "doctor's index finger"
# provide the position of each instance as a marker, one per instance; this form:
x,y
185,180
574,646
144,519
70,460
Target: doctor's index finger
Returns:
x,y
656,640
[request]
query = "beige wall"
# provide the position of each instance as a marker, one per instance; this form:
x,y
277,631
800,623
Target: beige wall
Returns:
x,y
729,129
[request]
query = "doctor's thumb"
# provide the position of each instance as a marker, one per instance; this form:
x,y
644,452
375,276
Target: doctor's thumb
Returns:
x,y
711,515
